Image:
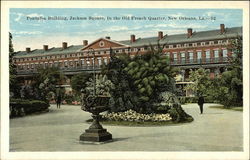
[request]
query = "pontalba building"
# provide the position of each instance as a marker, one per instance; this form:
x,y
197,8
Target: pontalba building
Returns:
x,y
190,50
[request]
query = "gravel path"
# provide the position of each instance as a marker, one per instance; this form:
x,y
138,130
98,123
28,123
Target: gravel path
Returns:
x,y
59,130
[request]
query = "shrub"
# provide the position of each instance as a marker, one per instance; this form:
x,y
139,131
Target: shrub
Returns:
x,y
20,107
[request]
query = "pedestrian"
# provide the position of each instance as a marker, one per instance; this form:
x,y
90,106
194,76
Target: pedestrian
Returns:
x,y
58,101
200,103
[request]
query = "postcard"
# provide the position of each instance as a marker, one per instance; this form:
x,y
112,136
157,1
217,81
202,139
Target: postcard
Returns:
x,y
124,80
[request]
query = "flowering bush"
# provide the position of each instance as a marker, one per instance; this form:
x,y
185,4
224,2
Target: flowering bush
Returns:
x,y
131,115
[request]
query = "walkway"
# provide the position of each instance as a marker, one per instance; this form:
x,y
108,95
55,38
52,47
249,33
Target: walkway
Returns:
x,y
59,130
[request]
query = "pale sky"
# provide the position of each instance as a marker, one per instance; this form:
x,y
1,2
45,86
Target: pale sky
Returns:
x,y
36,33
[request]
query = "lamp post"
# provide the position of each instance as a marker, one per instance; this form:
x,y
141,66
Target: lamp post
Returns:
x,y
92,51
95,104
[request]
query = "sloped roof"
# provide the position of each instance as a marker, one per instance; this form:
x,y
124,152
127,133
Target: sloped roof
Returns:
x,y
167,39
50,51
182,38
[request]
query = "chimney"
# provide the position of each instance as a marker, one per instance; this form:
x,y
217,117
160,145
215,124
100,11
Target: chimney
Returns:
x,y
222,28
189,32
85,42
27,50
160,35
132,38
107,37
64,45
45,47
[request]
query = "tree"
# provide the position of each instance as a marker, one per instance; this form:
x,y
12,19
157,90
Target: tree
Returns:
x,y
122,96
228,89
151,74
201,82
139,81
78,81
13,81
45,82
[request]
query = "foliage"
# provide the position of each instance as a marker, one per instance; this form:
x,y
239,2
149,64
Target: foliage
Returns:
x,y
102,85
228,89
139,81
13,81
46,81
201,81
151,74
20,107
169,103
122,97
78,82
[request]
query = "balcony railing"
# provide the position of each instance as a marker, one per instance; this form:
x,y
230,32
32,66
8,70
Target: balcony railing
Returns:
x,y
64,69
199,61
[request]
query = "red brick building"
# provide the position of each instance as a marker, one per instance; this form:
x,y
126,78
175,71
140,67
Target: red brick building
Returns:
x,y
190,50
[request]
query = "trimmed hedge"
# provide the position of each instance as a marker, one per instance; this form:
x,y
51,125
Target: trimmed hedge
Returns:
x,y
20,107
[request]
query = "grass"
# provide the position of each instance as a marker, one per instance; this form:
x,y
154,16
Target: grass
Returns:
x,y
237,108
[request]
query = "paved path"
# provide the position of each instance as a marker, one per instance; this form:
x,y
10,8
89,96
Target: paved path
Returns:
x,y
59,130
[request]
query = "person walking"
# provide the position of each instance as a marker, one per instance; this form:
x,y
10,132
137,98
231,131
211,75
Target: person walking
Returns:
x,y
200,103
58,101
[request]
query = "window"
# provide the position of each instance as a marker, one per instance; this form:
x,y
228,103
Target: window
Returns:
x,y
211,42
178,45
99,61
224,53
202,43
170,46
207,55
198,54
207,43
191,57
183,57
216,55
175,57
190,44
65,63
105,60
82,61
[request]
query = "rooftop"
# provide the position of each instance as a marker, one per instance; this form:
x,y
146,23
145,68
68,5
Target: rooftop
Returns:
x,y
167,39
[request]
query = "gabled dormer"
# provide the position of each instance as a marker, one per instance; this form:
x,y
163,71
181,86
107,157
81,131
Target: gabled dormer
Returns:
x,y
103,43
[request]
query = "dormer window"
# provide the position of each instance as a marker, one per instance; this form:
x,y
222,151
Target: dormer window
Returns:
x,y
211,42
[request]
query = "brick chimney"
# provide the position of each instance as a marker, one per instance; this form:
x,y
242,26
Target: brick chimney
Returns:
x,y
45,47
189,32
107,37
160,35
64,45
85,42
222,28
27,49
132,38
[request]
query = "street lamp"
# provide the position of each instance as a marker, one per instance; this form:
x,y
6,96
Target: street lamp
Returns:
x,y
95,104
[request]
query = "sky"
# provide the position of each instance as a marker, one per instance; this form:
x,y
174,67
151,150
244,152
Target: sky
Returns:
x,y
31,27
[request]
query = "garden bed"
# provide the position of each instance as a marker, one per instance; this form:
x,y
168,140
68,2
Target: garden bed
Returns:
x,y
132,118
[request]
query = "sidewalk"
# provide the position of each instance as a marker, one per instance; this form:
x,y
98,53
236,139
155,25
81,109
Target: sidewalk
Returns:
x,y
59,130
